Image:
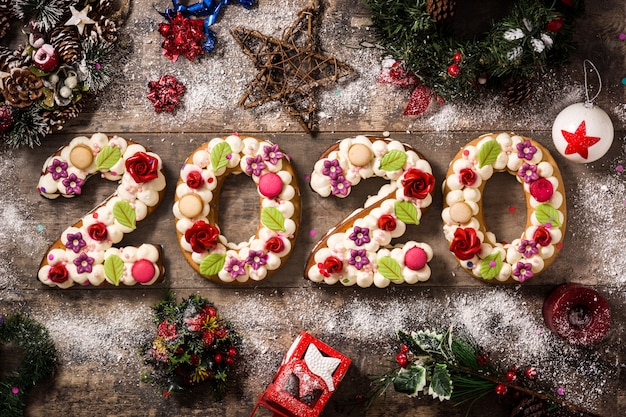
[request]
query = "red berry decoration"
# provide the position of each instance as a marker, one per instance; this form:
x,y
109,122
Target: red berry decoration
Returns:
x,y
165,93
454,70
458,57
402,359
531,373
501,389
218,358
404,348
46,58
578,314
232,352
6,118
511,376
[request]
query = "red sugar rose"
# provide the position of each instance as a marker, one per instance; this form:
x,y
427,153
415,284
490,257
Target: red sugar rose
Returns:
x,y
331,265
58,273
467,177
142,167
98,231
387,222
194,180
202,236
275,244
542,236
417,183
465,243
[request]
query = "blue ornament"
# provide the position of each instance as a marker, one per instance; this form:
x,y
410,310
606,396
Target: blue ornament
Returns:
x,y
209,10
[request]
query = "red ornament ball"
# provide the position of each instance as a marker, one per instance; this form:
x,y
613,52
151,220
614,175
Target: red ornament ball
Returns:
x,y
402,359
511,376
454,70
6,118
501,389
458,57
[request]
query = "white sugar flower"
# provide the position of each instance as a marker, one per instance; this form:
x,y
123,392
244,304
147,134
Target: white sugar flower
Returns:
x,y
514,53
538,46
547,40
528,25
513,34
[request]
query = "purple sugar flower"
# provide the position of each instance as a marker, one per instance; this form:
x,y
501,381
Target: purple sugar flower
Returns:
x,y
73,184
358,258
256,259
255,165
528,248
340,185
528,172
83,263
235,268
272,154
525,150
58,169
75,241
360,235
332,169
523,271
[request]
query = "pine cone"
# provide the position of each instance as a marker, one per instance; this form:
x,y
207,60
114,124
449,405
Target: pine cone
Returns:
x,y
105,30
529,407
102,7
56,118
22,88
66,41
440,10
5,22
517,90
9,58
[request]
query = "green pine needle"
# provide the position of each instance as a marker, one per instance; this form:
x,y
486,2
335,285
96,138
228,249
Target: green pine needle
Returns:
x,y
29,127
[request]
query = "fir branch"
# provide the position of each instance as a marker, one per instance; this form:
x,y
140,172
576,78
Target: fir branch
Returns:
x,y
94,64
29,127
45,14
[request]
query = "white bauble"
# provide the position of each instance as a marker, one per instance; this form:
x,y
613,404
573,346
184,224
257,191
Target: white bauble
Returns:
x,y
583,132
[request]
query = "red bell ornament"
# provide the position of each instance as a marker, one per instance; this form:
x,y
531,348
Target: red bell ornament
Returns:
x,y
583,132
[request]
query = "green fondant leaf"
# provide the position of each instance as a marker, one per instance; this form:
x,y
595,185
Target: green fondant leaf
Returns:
x,y
393,160
547,214
390,268
107,157
440,382
486,270
273,219
410,380
125,214
488,153
406,212
219,155
212,264
114,269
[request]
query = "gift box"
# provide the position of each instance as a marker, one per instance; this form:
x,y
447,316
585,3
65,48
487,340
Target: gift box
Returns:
x,y
308,375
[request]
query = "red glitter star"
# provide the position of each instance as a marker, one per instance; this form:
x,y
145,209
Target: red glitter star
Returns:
x,y
578,142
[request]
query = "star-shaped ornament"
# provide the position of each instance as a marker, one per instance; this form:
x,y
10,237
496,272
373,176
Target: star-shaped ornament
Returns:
x,y
80,18
321,365
290,69
578,142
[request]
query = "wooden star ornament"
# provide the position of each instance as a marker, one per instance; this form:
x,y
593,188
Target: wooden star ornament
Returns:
x,y
290,69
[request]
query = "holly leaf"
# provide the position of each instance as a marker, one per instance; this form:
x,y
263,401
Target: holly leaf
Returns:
x,y
219,155
212,264
393,160
488,153
125,214
410,380
390,268
545,213
406,212
107,157
407,340
114,269
429,342
440,382
486,270
273,219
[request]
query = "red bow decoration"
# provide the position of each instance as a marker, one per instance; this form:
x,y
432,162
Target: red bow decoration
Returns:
x,y
183,36
165,93
394,72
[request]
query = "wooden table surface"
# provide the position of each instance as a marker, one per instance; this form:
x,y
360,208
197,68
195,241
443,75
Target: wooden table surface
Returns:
x,y
98,332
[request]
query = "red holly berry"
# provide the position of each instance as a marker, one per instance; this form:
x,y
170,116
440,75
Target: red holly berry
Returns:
x,y
458,57
404,348
221,332
232,352
501,389
230,361
6,118
531,373
218,358
454,70
511,376
555,25
402,359
482,360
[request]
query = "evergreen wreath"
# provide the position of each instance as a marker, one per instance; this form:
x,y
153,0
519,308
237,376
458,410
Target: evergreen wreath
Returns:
x,y
39,361
194,345
453,367
418,33
63,63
